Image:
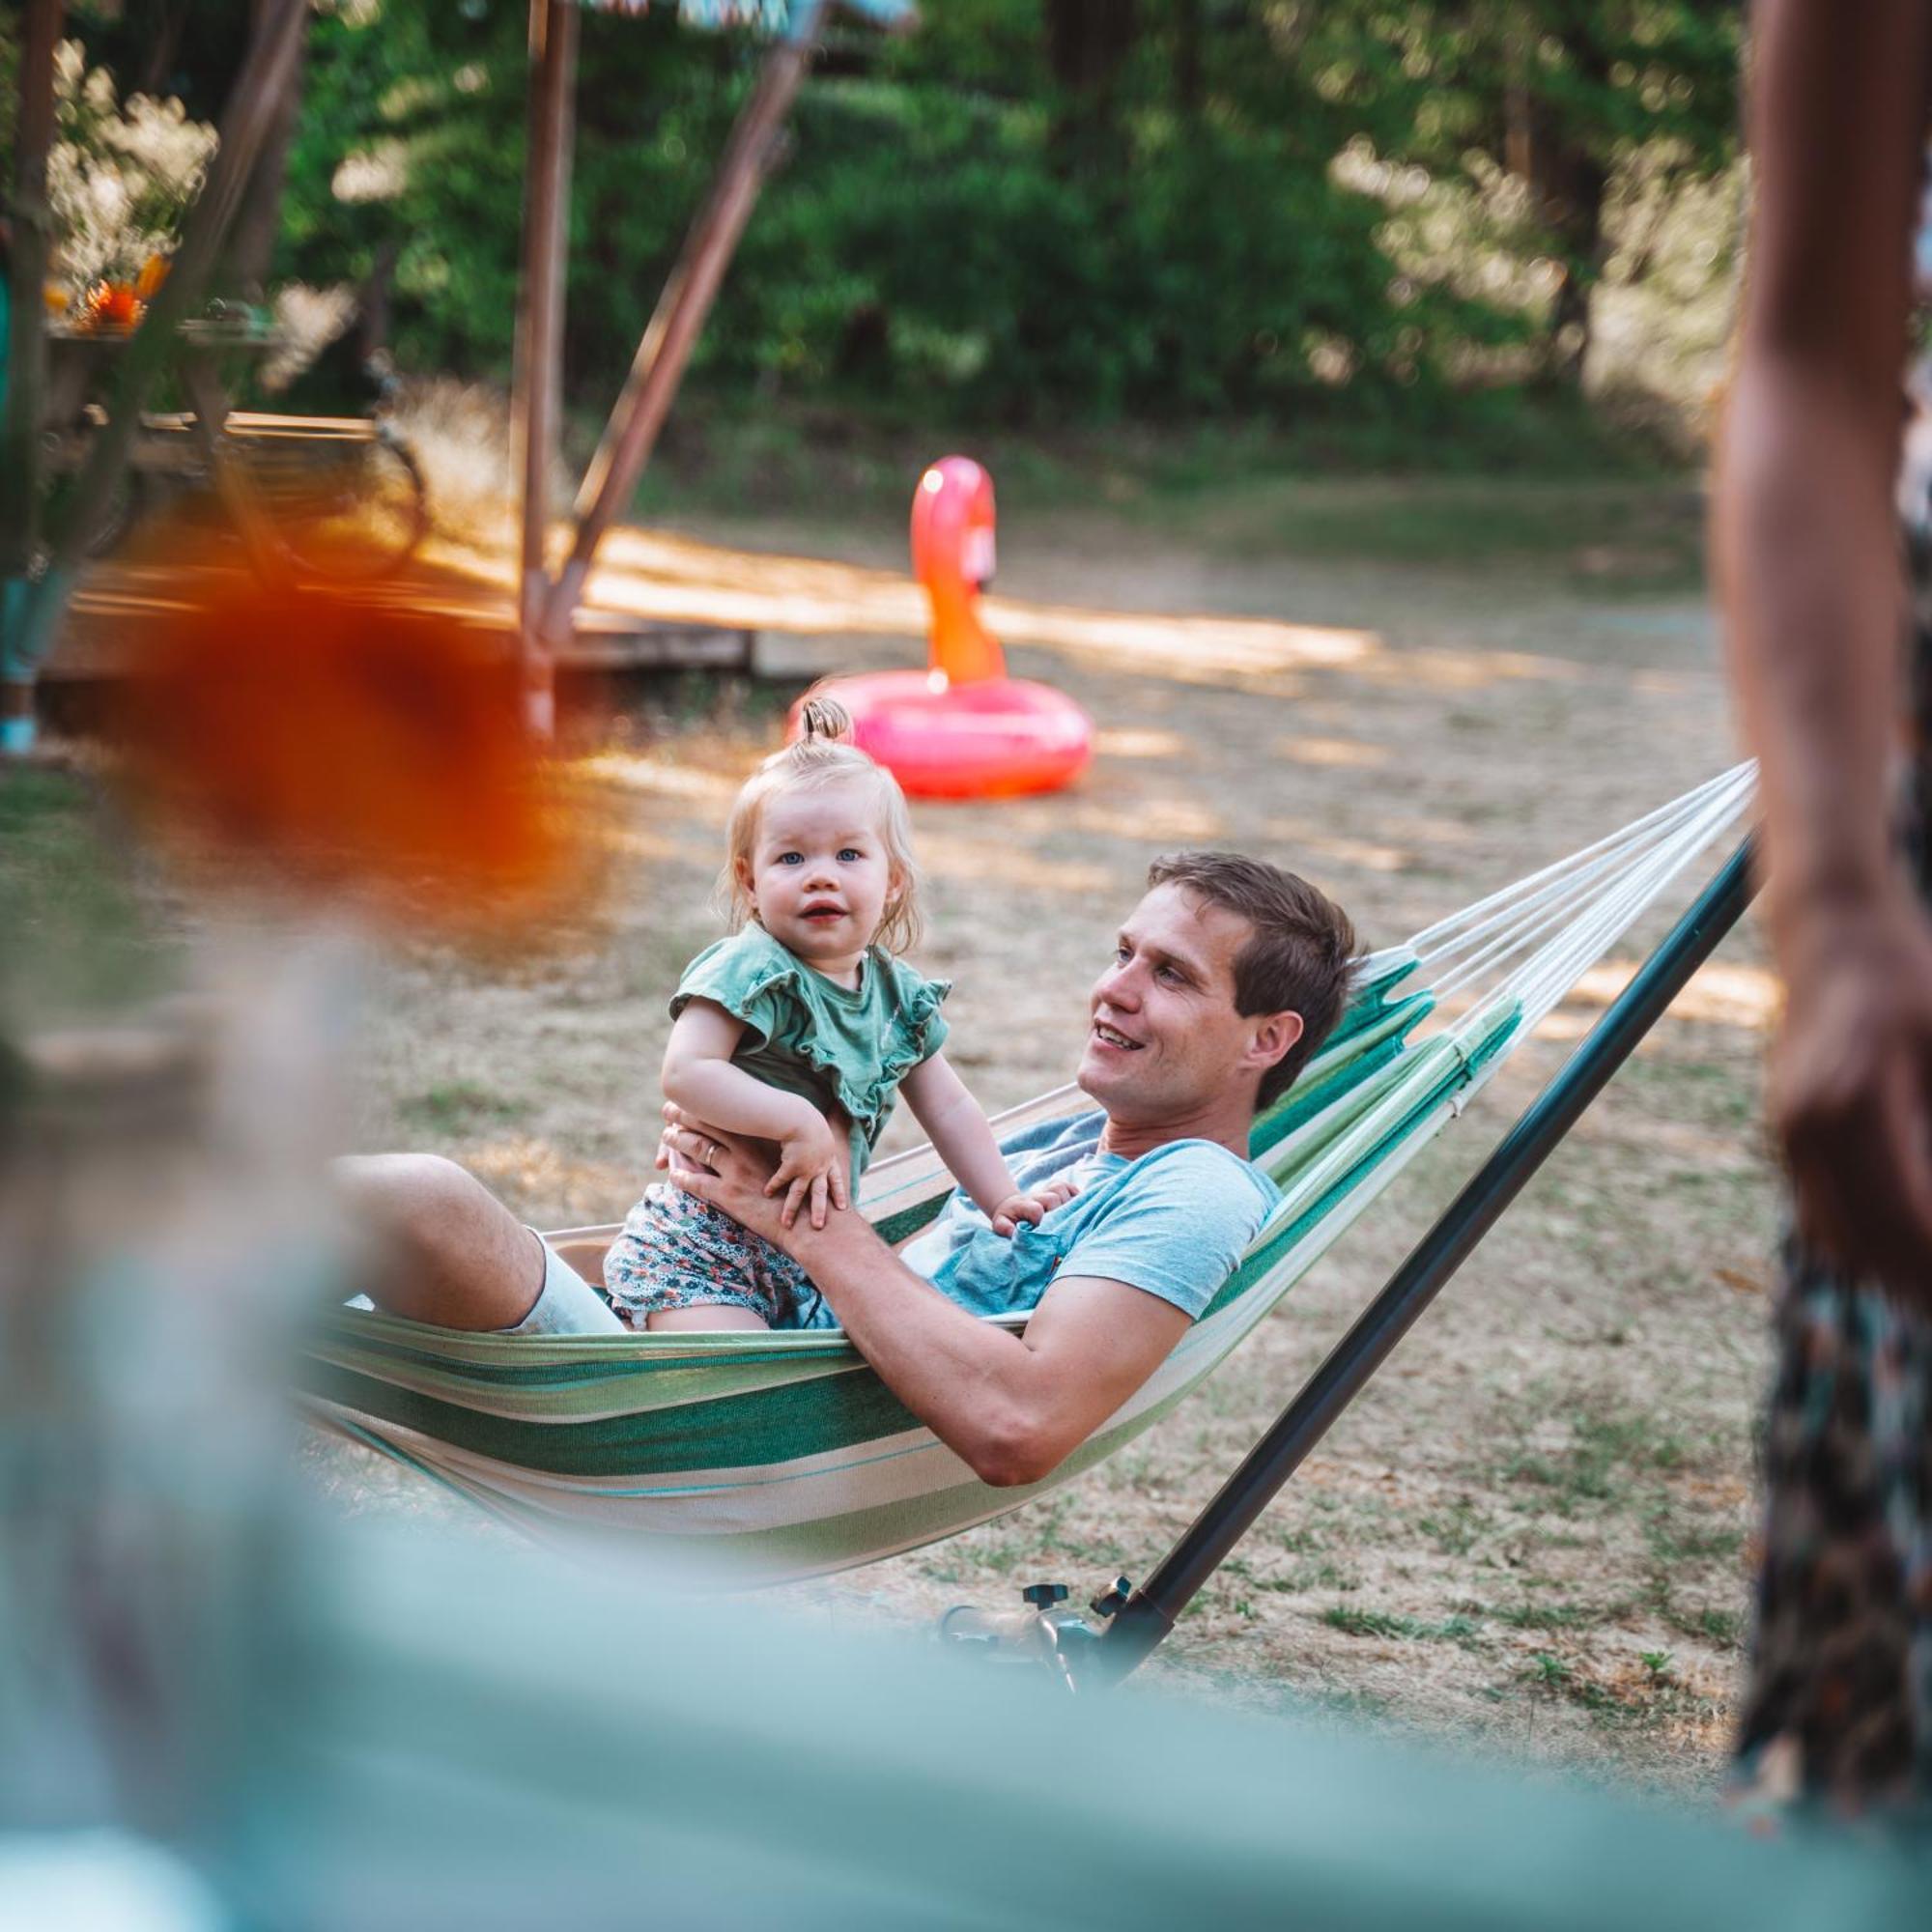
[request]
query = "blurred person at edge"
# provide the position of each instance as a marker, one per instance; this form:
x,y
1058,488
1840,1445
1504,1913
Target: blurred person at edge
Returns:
x,y
1839,1705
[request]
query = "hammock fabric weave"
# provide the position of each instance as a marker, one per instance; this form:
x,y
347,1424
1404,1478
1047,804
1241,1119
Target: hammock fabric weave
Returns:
x,y
783,1455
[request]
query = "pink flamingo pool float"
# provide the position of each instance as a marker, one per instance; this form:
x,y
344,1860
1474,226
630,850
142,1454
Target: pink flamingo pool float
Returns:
x,y
963,727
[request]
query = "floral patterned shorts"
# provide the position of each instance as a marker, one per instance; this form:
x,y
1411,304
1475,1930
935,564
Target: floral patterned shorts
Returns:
x,y
680,1252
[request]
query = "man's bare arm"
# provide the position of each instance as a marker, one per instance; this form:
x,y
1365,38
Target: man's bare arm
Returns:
x,y
1012,1407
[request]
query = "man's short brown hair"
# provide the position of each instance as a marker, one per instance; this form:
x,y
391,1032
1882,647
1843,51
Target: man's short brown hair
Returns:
x,y
1300,957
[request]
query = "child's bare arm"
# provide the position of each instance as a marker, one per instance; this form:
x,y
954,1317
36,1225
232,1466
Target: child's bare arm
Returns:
x,y
959,1131
699,1076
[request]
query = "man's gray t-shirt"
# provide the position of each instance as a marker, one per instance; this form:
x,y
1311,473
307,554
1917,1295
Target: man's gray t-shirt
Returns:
x,y
1173,1223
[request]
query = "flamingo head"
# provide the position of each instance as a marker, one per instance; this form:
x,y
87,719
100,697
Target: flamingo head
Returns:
x,y
952,525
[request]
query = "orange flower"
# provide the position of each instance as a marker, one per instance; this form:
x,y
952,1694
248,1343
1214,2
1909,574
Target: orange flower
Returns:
x,y
121,307
111,306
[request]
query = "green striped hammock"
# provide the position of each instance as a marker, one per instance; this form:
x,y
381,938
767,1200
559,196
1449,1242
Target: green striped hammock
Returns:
x,y
784,1455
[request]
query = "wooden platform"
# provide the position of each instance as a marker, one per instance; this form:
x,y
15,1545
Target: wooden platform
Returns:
x,y
101,638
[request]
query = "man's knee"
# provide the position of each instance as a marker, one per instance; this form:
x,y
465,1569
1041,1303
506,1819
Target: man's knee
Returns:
x,y
452,1253
398,1194
399,1173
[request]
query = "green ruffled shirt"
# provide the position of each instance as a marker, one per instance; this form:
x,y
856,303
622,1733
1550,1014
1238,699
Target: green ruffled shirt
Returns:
x,y
806,1035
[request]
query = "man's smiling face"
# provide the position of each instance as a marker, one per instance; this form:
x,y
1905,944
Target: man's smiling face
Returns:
x,y
1164,1042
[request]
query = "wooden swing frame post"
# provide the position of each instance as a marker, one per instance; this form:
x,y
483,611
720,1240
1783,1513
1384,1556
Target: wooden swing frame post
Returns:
x,y
664,351
540,309
547,610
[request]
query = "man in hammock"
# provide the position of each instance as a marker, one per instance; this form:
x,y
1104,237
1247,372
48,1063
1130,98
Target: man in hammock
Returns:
x,y
1226,978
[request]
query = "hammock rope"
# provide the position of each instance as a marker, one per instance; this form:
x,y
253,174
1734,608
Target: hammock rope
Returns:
x,y
784,1455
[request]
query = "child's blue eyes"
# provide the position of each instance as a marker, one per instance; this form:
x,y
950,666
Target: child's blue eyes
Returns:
x,y
847,853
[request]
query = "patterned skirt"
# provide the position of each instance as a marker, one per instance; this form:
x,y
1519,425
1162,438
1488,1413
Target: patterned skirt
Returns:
x,y
1838,1706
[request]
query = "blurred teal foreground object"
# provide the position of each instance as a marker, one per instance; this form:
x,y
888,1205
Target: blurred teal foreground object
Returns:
x,y
784,1455
219,1710
464,1737
481,1740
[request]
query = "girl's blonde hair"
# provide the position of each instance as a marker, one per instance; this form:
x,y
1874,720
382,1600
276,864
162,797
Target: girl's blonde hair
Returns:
x,y
824,756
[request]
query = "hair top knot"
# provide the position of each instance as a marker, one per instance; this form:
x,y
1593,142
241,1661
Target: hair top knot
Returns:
x,y
823,717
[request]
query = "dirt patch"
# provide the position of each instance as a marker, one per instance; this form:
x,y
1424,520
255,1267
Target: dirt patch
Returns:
x,y
1533,1527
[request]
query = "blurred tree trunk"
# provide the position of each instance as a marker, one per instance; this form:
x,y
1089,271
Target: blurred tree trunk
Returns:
x,y
258,221
24,249
165,38
1545,147
372,337
1087,44
1187,58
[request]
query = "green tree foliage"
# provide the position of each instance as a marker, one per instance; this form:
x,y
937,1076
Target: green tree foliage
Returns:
x,y
1561,95
974,210
408,161
1030,209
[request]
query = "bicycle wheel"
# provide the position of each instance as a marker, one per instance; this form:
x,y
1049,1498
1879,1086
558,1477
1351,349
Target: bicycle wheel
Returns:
x,y
343,506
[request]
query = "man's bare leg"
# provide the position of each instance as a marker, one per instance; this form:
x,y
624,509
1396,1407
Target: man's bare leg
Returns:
x,y
454,1255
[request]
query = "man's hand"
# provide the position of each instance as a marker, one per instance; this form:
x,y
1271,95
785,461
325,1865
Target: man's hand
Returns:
x,y
1012,1407
1850,1087
731,1173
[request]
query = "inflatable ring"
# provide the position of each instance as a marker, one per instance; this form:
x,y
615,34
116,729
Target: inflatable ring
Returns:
x,y
963,727
999,738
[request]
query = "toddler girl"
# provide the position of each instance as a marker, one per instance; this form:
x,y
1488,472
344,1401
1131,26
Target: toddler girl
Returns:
x,y
801,1028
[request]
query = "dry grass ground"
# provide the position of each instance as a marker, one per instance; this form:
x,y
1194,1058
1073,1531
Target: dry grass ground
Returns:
x,y
1534,1524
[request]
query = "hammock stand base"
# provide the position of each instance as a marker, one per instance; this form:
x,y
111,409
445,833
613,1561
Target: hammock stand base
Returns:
x,y
1127,1624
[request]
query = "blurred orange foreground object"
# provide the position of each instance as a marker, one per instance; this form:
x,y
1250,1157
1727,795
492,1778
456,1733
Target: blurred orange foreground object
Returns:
x,y
349,749
963,727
